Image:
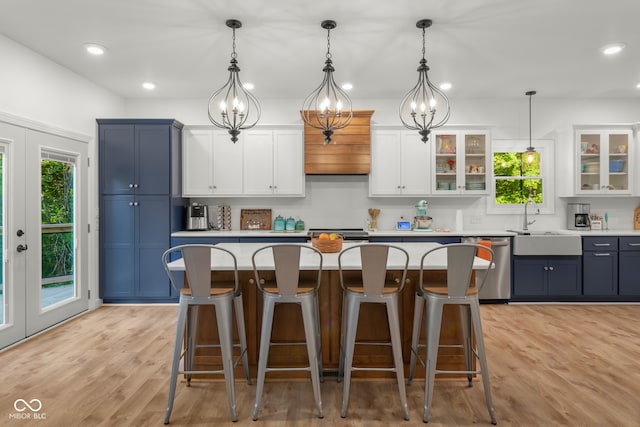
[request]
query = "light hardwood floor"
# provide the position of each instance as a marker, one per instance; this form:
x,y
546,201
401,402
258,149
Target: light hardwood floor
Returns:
x,y
551,365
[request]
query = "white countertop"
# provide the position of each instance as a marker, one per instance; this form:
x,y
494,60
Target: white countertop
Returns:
x,y
244,251
395,233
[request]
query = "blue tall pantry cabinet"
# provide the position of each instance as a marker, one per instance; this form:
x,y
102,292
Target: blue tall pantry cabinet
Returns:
x,y
140,205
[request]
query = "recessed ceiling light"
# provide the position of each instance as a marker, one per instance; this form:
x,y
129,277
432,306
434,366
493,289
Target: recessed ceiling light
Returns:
x,y
248,86
613,48
446,86
638,86
148,85
347,86
94,49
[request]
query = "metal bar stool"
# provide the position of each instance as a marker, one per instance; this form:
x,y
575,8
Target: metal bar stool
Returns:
x,y
456,290
225,296
288,287
374,261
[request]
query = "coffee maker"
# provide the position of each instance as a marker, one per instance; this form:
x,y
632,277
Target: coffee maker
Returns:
x,y
578,216
197,217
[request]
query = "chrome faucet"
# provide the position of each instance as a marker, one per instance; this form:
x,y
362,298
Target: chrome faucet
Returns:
x,y
526,223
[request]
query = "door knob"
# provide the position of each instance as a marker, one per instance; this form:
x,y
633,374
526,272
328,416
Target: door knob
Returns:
x,y
19,233
21,248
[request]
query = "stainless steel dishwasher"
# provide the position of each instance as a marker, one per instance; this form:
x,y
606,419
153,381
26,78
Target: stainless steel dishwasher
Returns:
x,y
497,288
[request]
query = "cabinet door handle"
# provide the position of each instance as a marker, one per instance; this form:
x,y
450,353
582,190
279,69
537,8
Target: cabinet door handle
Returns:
x,y
135,203
551,268
545,268
130,185
130,203
602,244
135,185
602,254
633,244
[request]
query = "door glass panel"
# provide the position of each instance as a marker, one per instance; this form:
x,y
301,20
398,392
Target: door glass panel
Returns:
x,y
618,162
590,162
446,163
58,230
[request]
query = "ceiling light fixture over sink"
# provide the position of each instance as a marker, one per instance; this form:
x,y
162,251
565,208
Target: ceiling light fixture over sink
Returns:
x,y
232,106
531,151
432,104
327,108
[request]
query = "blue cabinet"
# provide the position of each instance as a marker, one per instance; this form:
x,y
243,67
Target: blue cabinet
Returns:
x,y
600,266
629,266
139,181
546,278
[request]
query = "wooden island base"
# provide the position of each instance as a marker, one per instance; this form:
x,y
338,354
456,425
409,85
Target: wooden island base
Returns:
x,y
372,327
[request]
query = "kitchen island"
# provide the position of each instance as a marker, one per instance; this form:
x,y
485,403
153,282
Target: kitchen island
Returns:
x,y
373,327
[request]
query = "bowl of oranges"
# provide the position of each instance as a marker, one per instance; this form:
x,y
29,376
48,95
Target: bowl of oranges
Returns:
x,y
327,242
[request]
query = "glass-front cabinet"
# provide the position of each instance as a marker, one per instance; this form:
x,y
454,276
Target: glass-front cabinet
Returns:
x,y
604,161
460,162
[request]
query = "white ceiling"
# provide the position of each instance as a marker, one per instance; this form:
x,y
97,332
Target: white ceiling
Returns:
x,y
486,48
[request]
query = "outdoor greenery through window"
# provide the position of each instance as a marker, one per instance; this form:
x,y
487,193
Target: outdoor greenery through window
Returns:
x,y
518,177
57,222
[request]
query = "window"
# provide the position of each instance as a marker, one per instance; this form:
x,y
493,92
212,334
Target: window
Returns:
x,y
518,176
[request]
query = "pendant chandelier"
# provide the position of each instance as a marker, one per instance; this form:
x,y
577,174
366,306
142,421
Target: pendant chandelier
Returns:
x,y
530,149
327,108
424,107
232,107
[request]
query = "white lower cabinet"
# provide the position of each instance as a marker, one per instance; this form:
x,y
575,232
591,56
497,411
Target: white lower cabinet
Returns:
x,y
273,163
211,163
400,164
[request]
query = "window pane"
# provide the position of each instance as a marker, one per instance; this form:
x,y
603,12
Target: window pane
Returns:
x,y
530,164
58,283
506,164
518,191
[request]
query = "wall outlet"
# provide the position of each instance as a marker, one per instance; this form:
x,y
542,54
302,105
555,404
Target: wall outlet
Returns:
x,y
476,219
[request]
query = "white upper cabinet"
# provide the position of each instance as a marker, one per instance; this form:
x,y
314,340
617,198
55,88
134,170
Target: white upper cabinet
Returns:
x,y
460,162
604,161
211,163
400,164
273,162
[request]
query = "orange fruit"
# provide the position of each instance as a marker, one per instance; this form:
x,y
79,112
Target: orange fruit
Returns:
x,y
323,236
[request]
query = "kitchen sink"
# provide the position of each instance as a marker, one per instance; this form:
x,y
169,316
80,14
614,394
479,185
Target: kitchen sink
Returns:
x,y
546,242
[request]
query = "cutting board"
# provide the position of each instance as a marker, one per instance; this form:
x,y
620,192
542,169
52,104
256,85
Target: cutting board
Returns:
x,y
636,219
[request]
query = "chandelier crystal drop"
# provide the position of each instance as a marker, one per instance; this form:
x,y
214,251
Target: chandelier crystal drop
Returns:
x,y
327,108
233,107
424,107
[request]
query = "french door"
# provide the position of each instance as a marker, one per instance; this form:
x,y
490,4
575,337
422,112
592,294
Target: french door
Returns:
x,y
43,277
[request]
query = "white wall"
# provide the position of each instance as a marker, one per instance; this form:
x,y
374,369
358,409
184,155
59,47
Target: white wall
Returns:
x,y
342,201
39,90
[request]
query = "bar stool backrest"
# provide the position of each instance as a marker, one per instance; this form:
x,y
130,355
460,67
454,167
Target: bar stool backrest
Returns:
x,y
286,262
374,260
460,258
200,261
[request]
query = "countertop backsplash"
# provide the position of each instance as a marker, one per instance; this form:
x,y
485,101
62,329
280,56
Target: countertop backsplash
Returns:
x,y
341,201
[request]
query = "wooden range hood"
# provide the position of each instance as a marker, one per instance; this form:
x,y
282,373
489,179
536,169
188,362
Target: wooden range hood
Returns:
x,y
349,152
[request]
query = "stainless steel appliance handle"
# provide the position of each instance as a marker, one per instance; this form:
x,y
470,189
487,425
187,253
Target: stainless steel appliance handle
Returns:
x,y
602,244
